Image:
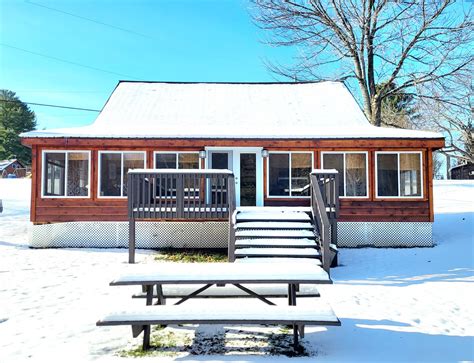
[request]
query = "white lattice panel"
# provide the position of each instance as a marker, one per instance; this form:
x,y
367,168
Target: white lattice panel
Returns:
x,y
385,234
115,234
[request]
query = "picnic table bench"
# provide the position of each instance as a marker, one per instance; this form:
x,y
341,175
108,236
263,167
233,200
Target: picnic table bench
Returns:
x,y
244,279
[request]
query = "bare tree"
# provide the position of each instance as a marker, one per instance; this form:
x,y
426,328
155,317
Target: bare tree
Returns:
x,y
454,119
437,166
404,42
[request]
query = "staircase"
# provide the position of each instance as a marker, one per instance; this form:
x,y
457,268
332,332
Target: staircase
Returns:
x,y
297,234
276,234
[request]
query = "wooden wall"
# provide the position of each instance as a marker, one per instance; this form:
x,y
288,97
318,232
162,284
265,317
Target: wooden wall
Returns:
x,y
47,210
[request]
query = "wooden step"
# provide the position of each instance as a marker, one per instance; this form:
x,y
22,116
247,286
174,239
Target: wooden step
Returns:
x,y
272,233
274,225
276,242
272,216
277,252
278,260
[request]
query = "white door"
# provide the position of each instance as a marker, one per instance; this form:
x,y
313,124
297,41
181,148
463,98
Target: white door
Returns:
x,y
247,165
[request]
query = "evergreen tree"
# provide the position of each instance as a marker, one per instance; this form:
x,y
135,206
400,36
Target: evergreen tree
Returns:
x,y
397,109
15,118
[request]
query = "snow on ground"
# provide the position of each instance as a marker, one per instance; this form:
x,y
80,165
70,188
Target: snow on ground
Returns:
x,y
394,304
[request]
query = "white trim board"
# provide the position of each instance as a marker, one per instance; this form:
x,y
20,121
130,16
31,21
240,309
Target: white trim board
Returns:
x,y
289,196
99,167
66,152
235,153
421,196
367,182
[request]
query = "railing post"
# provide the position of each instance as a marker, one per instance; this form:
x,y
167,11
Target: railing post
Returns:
x,y
231,208
179,195
336,212
131,219
325,210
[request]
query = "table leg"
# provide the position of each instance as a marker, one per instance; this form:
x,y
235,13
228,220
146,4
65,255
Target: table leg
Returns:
x,y
147,328
292,302
295,337
161,298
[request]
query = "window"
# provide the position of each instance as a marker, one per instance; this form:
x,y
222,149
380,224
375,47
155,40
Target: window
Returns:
x,y
113,169
66,174
288,174
399,174
352,169
177,160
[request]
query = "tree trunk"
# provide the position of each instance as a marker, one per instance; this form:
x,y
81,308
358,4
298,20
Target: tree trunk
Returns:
x,y
448,166
376,116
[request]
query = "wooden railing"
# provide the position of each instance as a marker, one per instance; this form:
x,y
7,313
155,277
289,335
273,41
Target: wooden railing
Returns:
x,y
325,210
185,194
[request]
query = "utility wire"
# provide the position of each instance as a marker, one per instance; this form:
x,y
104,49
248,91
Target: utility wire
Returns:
x,y
89,19
66,61
48,105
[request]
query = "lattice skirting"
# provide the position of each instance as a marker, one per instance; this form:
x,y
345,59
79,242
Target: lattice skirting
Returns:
x,y
385,234
115,234
215,234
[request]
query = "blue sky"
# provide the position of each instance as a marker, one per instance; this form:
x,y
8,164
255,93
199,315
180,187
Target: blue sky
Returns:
x,y
170,40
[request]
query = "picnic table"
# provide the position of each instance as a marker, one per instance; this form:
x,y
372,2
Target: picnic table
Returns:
x,y
220,274
207,275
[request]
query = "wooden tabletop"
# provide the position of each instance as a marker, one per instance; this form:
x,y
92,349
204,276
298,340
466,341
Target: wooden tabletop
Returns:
x,y
226,272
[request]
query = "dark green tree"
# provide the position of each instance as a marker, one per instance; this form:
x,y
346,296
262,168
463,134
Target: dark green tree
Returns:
x,y
15,118
398,108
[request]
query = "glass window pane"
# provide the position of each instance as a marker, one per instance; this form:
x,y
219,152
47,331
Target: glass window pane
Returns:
x,y
131,161
78,174
110,164
248,182
188,161
300,170
387,175
410,175
356,175
220,160
336,161
54,174
165,161
278,178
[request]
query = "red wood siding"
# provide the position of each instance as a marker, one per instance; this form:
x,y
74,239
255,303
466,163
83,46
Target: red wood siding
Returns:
x,y
47,210
199,144
72,210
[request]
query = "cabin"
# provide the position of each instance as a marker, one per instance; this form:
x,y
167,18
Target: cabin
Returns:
x,y
12,168
262,140
462,171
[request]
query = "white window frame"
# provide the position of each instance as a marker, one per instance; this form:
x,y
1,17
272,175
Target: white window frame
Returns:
x,y
177,157
344,171
289,174
43,170
421,196
99,169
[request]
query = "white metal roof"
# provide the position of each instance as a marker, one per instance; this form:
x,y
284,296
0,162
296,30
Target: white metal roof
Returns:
x,y
6,163
231,110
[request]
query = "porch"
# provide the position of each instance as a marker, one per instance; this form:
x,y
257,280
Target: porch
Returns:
x,y
253,232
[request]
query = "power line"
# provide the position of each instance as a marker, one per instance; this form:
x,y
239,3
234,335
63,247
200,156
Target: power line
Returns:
x,y
66,61
89,19
41,90
48,105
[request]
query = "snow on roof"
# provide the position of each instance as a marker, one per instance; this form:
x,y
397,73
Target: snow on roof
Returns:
x,y
231,110
6,163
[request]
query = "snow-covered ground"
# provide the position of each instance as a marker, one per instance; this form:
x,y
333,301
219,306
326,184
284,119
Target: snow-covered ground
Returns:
x,y
394,304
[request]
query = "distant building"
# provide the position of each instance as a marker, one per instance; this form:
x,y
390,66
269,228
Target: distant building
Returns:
x,y
12,167
464,171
